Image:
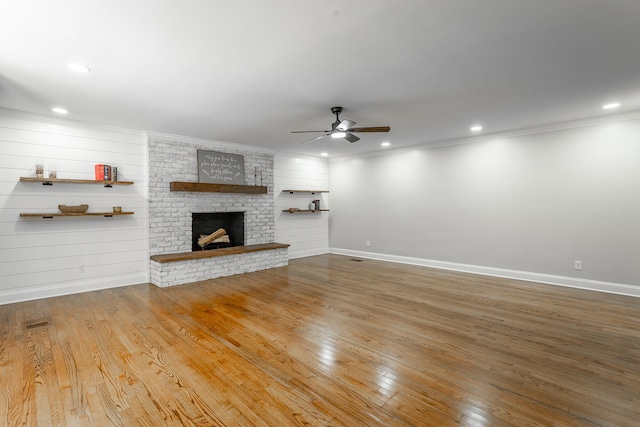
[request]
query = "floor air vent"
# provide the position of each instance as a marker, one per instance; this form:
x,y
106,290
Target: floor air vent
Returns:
x,y
30,324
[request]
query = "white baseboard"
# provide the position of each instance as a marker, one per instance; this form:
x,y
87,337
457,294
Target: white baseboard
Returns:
x,y
10,296
307,252
573,282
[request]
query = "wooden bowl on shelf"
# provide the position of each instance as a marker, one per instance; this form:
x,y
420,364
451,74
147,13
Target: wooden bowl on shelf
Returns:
x,y
73,209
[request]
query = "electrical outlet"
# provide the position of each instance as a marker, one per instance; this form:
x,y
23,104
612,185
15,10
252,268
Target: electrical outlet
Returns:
x,y
578,265
81,268
368,243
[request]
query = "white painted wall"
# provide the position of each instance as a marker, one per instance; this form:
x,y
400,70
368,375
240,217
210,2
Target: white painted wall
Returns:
x,y
42,257
505,206
307,233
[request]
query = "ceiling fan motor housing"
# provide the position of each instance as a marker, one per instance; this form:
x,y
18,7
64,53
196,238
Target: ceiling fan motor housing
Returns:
x,y
336,111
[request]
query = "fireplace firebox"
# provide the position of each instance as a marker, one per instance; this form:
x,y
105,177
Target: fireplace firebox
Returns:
x,y
206,223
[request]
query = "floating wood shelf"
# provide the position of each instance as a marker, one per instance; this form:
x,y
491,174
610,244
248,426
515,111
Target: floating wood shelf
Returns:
x,y
51,181
203,187
56,214
305,210
234,250
305,191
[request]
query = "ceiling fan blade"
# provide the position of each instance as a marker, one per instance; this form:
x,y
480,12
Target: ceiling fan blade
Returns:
x,y
309,131
345,124
351,138
314,139
370,129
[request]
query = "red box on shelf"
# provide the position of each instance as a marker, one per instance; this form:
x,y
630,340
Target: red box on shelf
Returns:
x,y
99,172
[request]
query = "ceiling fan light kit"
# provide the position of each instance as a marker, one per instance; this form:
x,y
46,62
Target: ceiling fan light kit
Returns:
x,y
343,129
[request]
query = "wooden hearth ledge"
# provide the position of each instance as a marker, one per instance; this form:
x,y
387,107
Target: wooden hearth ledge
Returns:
x,y
234,250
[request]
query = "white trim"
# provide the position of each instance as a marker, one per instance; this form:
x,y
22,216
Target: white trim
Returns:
x,y
307,252
209,142
549,127
61,121
49,291
572,282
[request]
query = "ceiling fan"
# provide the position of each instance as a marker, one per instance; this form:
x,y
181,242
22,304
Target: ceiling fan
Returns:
x,y
343,128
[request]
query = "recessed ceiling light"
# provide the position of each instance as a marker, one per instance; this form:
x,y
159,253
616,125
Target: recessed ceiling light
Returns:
x,y
611,106
385,144
78,68
476,128
59,110
324,154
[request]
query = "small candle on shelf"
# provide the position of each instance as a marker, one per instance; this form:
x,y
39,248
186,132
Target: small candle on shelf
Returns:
x,y
39,169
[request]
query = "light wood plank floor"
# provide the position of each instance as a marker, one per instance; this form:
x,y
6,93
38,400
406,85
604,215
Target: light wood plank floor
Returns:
x,y
328,340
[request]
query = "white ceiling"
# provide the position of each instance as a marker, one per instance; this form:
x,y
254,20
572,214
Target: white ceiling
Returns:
x,y
250,71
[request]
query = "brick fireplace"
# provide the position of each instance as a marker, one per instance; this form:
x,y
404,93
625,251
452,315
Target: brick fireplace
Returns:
x,y
171,213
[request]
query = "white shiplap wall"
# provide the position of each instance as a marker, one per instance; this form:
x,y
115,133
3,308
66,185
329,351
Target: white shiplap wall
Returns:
x,y
307,233
47,257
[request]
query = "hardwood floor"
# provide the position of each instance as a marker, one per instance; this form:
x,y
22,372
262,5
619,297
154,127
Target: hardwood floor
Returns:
x,y
328,340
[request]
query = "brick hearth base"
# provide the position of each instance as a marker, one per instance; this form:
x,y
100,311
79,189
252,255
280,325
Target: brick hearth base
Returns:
x,y
178,269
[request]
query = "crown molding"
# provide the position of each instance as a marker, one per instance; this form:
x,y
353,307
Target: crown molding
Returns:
x,y
209,142
513,133
63,121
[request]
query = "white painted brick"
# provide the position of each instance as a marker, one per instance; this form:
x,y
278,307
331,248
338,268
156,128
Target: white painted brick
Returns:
x,y
170,214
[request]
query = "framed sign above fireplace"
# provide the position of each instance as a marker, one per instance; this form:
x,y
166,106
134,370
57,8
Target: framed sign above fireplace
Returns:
x,y
215,167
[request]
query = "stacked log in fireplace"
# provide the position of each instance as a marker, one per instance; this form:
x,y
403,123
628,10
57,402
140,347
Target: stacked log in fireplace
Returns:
x,y
215,230
217,239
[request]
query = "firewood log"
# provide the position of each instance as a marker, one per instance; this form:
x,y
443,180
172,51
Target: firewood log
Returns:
x,y
211,237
